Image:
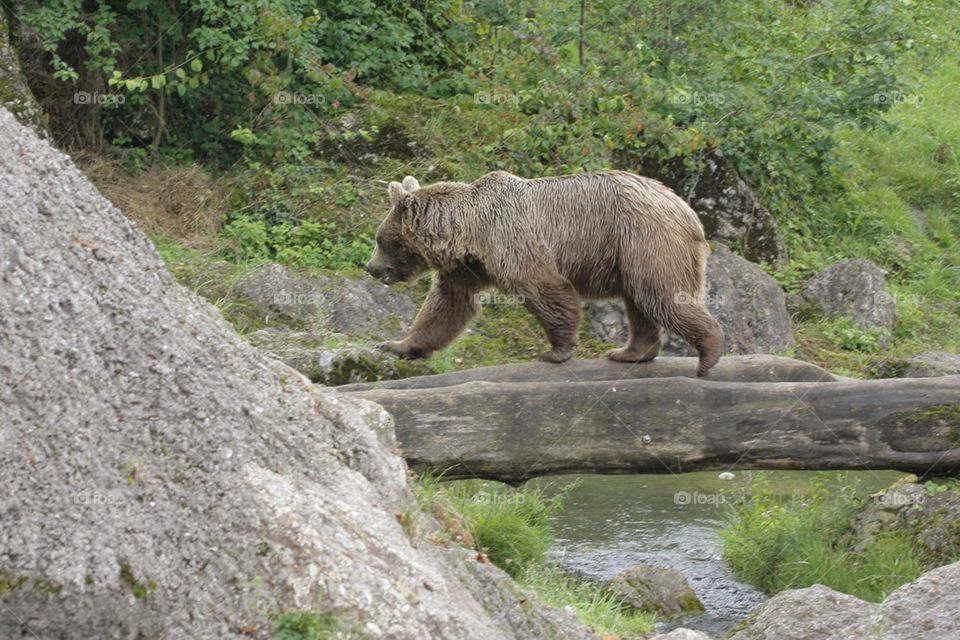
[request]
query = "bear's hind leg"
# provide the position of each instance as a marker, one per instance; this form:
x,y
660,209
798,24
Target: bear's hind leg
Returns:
x,y
554,303
645,342
693,322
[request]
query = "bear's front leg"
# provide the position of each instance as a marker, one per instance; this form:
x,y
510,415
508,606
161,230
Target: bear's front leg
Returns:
x,y
448,308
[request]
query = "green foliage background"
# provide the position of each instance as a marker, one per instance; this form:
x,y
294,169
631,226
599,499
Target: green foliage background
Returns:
x,y
841,116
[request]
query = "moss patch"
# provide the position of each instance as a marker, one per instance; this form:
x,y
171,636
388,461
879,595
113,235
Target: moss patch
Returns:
x,y
691,604
10,582
139,589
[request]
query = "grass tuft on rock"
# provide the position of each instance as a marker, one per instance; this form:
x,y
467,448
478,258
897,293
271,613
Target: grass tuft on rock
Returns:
x,y
304,625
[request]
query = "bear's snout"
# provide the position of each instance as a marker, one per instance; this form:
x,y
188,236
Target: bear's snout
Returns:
x,y
385,274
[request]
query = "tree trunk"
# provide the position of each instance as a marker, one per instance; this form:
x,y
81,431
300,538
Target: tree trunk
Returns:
x,y
513,430
751,368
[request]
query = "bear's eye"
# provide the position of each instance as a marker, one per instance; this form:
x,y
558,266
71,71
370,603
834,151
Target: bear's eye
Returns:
x,y
387,244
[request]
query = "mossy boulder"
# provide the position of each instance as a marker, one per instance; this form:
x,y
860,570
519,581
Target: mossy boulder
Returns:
x,y
331,360
353,306
855,289
933,363
655,590
929,513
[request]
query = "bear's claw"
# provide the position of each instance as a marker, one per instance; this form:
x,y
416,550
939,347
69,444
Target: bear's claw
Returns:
x,y
556,356
398,348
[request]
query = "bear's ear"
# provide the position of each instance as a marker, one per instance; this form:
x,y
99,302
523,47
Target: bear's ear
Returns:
x,y
396,191
410,183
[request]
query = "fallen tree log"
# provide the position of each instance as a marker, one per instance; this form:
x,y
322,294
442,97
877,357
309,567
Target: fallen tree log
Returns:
x,y
749,368
513,431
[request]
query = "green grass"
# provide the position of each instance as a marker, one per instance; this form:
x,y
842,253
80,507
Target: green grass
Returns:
x,y
512,528
782,543
597,608
903,212
304,625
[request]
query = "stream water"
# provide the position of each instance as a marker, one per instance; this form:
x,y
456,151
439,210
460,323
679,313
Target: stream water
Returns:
x,y
609,523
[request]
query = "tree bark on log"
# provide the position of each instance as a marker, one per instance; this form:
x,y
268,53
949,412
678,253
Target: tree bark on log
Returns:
x,y
749,368
513,431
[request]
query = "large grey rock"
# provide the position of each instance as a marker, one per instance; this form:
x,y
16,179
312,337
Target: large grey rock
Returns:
x,y
360,307
656,590
814,613
747,302
924,608
933,363
856,289
161,479
730,211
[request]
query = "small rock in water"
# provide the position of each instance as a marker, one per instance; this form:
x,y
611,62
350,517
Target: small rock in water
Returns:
x,y
726,475
654,589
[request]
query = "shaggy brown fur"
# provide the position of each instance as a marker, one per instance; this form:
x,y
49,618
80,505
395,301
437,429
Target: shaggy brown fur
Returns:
x,y
550,240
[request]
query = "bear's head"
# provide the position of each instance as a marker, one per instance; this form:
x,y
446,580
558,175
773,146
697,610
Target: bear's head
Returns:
x,y
395,258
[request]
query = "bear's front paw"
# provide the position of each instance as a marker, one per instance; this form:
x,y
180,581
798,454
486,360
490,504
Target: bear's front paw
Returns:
x,y
556,355
402,349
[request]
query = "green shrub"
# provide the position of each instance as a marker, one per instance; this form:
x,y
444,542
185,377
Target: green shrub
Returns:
x,y
302,244
249,76
843,333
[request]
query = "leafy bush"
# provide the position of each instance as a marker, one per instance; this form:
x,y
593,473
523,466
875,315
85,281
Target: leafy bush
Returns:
x,y
847,335
304,244
196,73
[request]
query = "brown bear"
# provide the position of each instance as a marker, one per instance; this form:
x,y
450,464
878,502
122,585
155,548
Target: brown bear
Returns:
x,y
548,241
